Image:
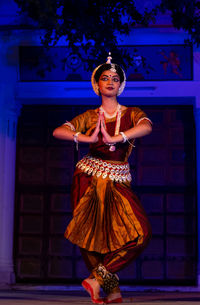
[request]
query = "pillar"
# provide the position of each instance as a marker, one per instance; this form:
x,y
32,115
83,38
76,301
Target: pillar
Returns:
x,y
197,121
8,122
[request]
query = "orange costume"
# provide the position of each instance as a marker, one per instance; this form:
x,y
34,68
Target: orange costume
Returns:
x,y
109,224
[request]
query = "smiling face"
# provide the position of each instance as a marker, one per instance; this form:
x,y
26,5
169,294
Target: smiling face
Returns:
x,y
109,83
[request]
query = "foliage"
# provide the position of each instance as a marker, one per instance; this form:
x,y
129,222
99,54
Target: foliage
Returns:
x,y
95,25
185,15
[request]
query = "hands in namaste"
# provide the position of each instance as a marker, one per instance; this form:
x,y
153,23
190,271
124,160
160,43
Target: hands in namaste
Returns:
x,y
100,127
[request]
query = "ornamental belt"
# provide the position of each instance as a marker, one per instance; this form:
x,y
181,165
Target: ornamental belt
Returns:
x,y
119,172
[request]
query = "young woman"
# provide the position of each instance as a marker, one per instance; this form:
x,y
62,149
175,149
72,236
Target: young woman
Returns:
x,y
109,224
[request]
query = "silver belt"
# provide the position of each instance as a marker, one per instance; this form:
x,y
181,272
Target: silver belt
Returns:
x,y
97,167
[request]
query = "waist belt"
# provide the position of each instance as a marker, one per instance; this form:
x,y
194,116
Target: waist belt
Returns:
x,y
98,167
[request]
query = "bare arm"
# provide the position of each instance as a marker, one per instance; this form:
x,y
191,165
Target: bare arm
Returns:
x,y
142,129
63,133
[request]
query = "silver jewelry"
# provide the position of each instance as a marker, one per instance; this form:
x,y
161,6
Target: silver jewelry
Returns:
x,y
119,172
70,125
76,139
109,58
113,68
110,116
124,137
112,146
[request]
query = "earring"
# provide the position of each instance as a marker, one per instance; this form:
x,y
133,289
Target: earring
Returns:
x,y
96,88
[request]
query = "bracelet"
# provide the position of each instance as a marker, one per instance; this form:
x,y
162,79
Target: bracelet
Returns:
x,y
76,139
124,137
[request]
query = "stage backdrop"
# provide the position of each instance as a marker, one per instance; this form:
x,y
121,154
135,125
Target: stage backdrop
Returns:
x,y
150,62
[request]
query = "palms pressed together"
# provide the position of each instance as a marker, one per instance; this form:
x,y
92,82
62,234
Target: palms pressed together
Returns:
x,y
100,127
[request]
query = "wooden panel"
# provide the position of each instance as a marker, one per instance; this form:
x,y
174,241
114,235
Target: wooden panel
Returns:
x,y
32,135
58,223
30,245
156,139
152,270
155,248
152,203
31,174
181,224
177,269
59,246
151,175
181,246
29,268
60,268
60,202
177,175
180,203
58,176
129,273
31,224
57,156
176,136
156,156
31,202
157,223
33,155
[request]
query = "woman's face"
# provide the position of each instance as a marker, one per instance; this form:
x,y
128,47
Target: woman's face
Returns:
x,y
109,83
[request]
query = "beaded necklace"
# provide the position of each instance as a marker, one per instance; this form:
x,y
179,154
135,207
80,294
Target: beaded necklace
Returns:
x,y
110,116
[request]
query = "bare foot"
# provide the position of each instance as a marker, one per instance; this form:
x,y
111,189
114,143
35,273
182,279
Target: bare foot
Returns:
x,y
115,297
93,288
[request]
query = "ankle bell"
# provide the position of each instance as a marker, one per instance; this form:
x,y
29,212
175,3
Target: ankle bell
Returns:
x,y
107,280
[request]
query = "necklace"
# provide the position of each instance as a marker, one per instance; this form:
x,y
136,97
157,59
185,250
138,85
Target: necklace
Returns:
x,y
110,116
117,123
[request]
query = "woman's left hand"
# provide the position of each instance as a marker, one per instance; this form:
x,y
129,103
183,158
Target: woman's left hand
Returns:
x,y
107,139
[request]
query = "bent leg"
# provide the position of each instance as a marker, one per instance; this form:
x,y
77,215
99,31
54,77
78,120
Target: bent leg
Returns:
x,y
120,258
91,259
91,284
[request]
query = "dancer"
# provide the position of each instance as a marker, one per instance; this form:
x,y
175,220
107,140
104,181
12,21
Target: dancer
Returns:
x,y
109,224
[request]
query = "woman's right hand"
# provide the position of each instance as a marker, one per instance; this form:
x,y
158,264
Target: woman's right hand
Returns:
x,y
94,135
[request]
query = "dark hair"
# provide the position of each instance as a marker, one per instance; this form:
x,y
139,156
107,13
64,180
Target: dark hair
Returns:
x,y
105,67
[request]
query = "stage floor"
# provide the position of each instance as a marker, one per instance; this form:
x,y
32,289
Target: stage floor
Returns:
x,y
12,297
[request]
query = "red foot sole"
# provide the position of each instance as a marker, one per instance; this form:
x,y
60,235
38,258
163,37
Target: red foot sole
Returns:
x,y
89,289
117,300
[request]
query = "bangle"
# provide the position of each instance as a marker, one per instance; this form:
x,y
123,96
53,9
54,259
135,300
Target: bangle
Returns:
x,y
124,137
76,139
